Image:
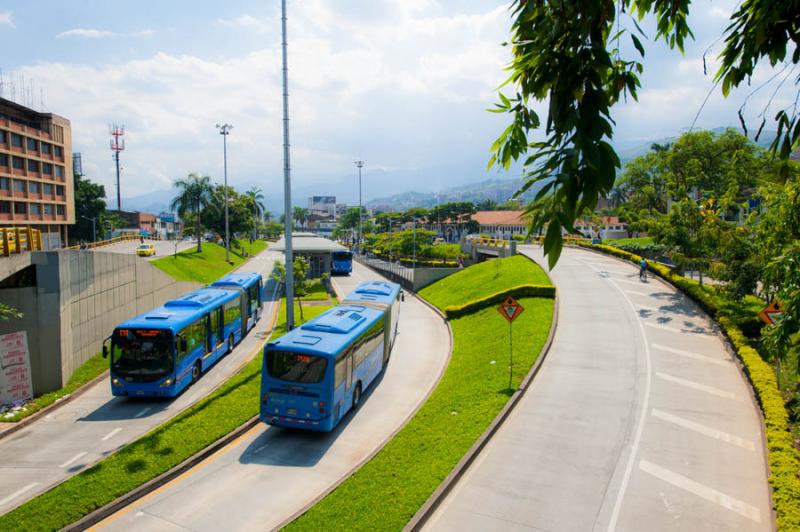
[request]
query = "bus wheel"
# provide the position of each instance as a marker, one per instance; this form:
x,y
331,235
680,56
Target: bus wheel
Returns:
x,y
231,342
357,397
196,371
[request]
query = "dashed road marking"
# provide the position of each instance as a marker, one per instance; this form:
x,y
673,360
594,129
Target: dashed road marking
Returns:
x,y
73,459
637,283
694,356
696,386
645,307
18,493
142,412
677,329
703,429
701,490
636,292
111,434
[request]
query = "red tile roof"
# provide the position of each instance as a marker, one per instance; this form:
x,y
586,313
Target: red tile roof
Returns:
x,y
499,218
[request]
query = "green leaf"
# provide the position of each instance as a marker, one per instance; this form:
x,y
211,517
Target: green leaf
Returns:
x,y
638,44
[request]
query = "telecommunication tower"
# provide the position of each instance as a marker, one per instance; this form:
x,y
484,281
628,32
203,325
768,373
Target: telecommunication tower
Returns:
x,y
117,145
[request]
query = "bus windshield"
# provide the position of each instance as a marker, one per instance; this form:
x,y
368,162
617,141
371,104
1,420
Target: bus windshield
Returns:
x,y
141,355
342,255
296,367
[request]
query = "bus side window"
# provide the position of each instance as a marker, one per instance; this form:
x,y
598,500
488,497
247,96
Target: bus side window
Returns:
x,y
185,334
232,311
339,373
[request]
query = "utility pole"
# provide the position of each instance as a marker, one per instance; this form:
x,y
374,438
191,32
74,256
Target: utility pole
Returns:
x,y
94,233
225,130
116,146
287,181
359,165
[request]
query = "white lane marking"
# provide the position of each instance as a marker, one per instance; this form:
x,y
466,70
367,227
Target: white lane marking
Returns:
x,y
701,490
73,459
648,294
637,283
697,386
703,429
18,493
142,412
695,356
677,329
645,307
111,434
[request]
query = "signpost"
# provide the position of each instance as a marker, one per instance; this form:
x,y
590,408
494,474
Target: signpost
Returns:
x,y
510,310
15,368
772,313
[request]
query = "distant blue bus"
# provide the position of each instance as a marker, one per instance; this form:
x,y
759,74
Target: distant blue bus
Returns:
x,y
315,374
341,262
161,352
250,286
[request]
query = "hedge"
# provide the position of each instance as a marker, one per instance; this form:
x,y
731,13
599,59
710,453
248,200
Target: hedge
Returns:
x,y
525,290
784,461
435,263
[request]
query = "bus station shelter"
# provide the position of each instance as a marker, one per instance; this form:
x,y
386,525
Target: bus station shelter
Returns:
x,y
316,249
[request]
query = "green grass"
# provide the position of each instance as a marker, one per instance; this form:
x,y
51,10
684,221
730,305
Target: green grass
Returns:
x,y
316,291
387,491
208,265
85,373
640,241
484,279
228,407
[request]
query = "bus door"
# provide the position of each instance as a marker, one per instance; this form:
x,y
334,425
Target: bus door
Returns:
x,y
210,340
217,328
349,377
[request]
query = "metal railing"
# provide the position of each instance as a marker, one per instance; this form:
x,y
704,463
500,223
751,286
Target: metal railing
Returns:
x,y
19,239
116,239
394,272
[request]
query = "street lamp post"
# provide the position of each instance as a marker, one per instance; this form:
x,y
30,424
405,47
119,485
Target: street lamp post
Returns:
x,y
94,233
225,130
359,165
414,262
287,180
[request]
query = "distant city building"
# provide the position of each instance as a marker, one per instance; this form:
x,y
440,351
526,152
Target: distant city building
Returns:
x,y
168,226
77,164
143,222
609,227
36,187
501,224
322,206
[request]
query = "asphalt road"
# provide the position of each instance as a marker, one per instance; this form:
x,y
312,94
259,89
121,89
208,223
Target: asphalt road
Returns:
x,y
270,473
96,424
164,248
639,419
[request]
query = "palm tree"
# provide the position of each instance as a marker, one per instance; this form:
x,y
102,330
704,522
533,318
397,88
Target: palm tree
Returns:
x,y
257,198
301,216
194,196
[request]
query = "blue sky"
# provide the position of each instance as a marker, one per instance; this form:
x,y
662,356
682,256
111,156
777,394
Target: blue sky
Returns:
x,y
402,84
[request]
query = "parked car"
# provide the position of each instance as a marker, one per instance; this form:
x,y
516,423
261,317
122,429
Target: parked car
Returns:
x,y
146,250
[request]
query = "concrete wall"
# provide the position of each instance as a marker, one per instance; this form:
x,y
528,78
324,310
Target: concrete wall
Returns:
x,y
425,276
79,298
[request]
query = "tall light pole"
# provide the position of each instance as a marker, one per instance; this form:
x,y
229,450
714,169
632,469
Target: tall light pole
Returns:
x,y
415,243
359,165
225,130
287,181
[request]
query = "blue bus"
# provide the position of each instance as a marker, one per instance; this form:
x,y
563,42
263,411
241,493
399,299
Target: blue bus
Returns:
x,y
383,296
341,262
315,374
250,286
161,352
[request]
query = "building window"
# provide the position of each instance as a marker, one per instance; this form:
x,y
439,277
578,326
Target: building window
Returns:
x,y
60,210
47,188
19,186
5,183
59,190
48,209
20,208
3,159
45,148
58,151
5,207
31,143
16,140
33,187
35,209
59,171
18,163
47,168
33,166
3,138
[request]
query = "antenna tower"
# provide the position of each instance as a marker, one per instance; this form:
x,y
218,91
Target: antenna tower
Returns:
x,y
117,145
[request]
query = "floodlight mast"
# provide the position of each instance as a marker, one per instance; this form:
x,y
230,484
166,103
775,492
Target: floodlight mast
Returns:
x,y
287,182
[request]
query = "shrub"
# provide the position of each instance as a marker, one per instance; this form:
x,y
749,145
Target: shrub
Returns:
x,y
525,290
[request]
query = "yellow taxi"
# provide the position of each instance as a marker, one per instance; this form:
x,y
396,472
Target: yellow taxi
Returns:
x,y
146,250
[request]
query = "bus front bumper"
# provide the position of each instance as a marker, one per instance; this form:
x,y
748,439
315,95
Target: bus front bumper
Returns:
x,y
122,388
321,425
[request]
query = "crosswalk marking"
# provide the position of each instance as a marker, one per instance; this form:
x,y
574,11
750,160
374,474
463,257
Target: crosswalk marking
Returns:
x,y
703,429
696,386
694,356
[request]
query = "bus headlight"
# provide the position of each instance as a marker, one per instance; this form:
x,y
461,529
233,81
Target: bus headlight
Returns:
x,y
166,383
116,382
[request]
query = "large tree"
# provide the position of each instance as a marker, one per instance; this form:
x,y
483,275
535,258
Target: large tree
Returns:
x,y
256,199
194,195
570,54
90,204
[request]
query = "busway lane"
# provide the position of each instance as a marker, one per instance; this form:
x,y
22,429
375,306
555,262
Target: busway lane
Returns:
x,y
271,473
639,419
96,424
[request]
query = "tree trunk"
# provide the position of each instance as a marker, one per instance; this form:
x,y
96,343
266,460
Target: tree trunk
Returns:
x,y
300,307
197,230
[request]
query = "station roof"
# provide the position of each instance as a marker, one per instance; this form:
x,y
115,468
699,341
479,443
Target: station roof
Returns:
x,y
308,243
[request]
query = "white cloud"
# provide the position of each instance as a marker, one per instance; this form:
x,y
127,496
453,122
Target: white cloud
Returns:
x,y
144,34
86,34
246,21
6,19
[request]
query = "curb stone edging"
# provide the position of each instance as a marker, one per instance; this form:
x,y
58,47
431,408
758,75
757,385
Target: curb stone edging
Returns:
x,y
437,497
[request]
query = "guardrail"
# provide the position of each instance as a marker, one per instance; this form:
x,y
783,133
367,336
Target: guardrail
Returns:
x,y
116,239
19,239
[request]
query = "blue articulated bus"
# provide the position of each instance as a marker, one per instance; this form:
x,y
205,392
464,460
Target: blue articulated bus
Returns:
x,y
341,262
161,352
250,286
315,374
383,296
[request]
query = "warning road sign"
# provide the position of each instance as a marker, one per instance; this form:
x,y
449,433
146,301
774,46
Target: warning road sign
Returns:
x,y
510,309
772,313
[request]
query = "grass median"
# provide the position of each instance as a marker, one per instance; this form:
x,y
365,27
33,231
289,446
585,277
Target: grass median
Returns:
x,y
388,490
228,407
208,265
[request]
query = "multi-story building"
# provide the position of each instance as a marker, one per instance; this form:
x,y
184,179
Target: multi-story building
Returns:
x,y
36,184
322,206
143,222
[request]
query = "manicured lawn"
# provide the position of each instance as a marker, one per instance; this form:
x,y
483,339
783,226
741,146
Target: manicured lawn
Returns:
x,y
483,279
208,265
316,291
387,491
85,373
641,241
228,407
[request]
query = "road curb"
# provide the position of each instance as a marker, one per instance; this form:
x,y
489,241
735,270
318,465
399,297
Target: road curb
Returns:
x,y
435,500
